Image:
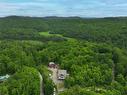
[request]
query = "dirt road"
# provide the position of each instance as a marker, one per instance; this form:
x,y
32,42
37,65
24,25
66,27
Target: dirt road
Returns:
x,y
41,85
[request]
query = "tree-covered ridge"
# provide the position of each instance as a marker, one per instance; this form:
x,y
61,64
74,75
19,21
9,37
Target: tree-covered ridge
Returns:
x,y
109,30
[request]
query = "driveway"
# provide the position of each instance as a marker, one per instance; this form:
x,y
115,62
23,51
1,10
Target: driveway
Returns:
x,y
58,83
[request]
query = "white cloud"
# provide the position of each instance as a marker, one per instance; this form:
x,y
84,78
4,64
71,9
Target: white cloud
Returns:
x,y
88,8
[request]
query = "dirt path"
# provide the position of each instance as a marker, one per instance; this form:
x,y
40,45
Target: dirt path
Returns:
x,y
41,85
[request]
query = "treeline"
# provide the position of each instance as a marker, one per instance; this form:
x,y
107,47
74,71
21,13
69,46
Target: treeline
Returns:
x,y
25,34
109,30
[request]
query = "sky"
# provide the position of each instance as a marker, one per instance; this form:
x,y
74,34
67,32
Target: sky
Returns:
x,y
64,8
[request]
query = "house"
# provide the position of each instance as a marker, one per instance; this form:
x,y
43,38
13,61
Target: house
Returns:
x,y
62,74
3,78
52,65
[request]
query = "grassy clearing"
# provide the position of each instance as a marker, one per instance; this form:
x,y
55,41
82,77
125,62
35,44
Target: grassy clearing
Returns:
x,y
47,34
60,85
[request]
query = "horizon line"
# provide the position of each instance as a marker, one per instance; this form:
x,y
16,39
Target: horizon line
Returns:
x,y
61,16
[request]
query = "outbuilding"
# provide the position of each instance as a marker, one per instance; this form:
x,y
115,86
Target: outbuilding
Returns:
x,y
3,78
62,74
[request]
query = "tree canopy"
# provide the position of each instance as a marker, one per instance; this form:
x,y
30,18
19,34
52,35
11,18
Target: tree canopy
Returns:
x,y
93,51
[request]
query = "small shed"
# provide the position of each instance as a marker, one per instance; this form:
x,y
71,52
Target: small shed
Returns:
x,y
62,74
3,78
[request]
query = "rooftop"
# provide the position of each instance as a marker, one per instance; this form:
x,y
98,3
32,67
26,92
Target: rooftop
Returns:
x,y
50,63
62,71
4,77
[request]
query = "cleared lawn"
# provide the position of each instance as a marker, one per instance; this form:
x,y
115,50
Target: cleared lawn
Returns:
x,y
47,34
44,33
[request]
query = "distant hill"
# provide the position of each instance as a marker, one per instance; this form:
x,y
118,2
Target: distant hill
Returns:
x,y
111,30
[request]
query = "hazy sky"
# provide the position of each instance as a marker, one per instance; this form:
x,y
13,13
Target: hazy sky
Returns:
x,y
83,8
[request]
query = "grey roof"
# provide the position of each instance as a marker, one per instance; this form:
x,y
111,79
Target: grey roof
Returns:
x,y
4,77
62,71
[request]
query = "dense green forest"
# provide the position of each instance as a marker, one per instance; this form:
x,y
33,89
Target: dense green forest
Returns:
x,y
93,51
